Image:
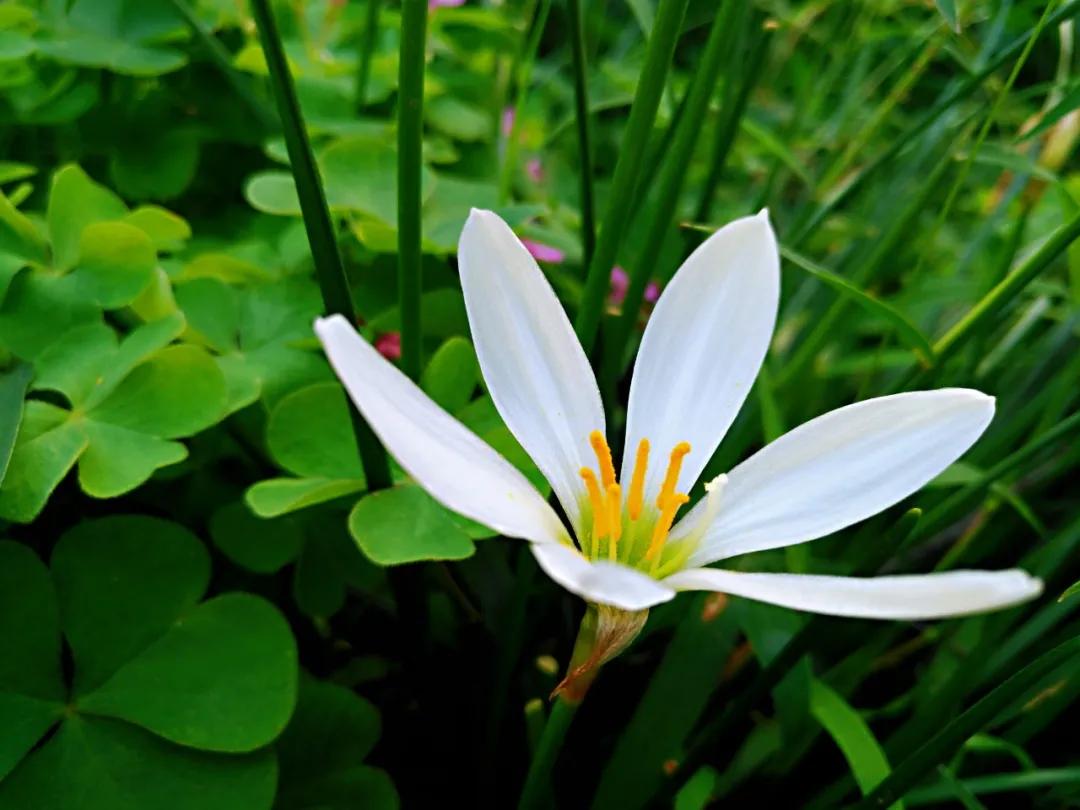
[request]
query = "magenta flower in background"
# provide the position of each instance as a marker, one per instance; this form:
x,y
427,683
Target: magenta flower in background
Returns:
x,y
507,124
389,345
432,4
620,283
535,169
544,253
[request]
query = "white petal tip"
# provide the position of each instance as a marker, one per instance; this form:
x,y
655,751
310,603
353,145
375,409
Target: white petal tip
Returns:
x,y
323,326
763,214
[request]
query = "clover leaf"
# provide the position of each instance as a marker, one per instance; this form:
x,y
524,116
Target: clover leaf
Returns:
x,y
172,703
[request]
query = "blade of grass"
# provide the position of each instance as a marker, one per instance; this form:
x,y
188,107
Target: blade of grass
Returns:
x,y
367,51
650,86
334,286
960,92
222,59
584,128
670,185
410,168
998,783
946,742
907,331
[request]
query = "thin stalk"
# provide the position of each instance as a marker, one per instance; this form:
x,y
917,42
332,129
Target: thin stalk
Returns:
x,y
669,187
322,237
949,739
367,51
410,167
650,87
223,60
537,791
584,128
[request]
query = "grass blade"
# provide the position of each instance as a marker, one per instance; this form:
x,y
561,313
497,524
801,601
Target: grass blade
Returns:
x,y
334,286
650,87
584,128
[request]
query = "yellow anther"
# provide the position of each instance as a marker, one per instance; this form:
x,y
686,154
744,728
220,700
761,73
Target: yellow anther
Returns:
x,y
614,505
663,525
599,508
603,456
671,479
637,482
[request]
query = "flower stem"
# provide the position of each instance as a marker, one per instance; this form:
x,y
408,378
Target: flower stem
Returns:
x,y
322,237
536,793
584,128
650,86
950,738
367,51
410,170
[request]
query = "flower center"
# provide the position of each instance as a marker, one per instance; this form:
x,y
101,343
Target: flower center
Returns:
x,y
633,532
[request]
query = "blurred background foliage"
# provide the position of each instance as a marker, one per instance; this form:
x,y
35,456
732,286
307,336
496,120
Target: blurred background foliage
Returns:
x,y
199,604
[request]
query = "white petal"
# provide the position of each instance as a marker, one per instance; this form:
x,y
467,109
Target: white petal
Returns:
x,y
445,457
840,468
602,582
930,596
534,366
702,348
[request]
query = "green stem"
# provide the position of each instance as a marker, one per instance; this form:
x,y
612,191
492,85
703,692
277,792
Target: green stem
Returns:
x,y
650,86
584,129
322,237
1010,286
410,168
669,187
537,791
224,62
367,51
949,739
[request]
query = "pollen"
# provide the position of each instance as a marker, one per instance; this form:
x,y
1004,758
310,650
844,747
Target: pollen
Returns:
x,y
636,499
671,479
603,457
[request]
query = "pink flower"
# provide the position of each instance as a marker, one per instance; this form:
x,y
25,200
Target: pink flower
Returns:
x,y
389,345
445,3
508,121
535,169
544,253
620,283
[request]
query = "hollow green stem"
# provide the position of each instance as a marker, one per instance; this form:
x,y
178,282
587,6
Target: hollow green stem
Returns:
x,y
584,128
650,87
537,791
949,739
410,168
322,237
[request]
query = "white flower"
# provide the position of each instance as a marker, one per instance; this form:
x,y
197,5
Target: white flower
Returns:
x,y
699,356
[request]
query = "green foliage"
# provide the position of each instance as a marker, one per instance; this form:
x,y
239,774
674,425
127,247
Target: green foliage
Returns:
x,y
157,294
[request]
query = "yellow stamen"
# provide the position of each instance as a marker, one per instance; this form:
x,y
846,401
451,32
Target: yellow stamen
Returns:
x,y
671,479
637,481
603,455
614,504
599,508
663,525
